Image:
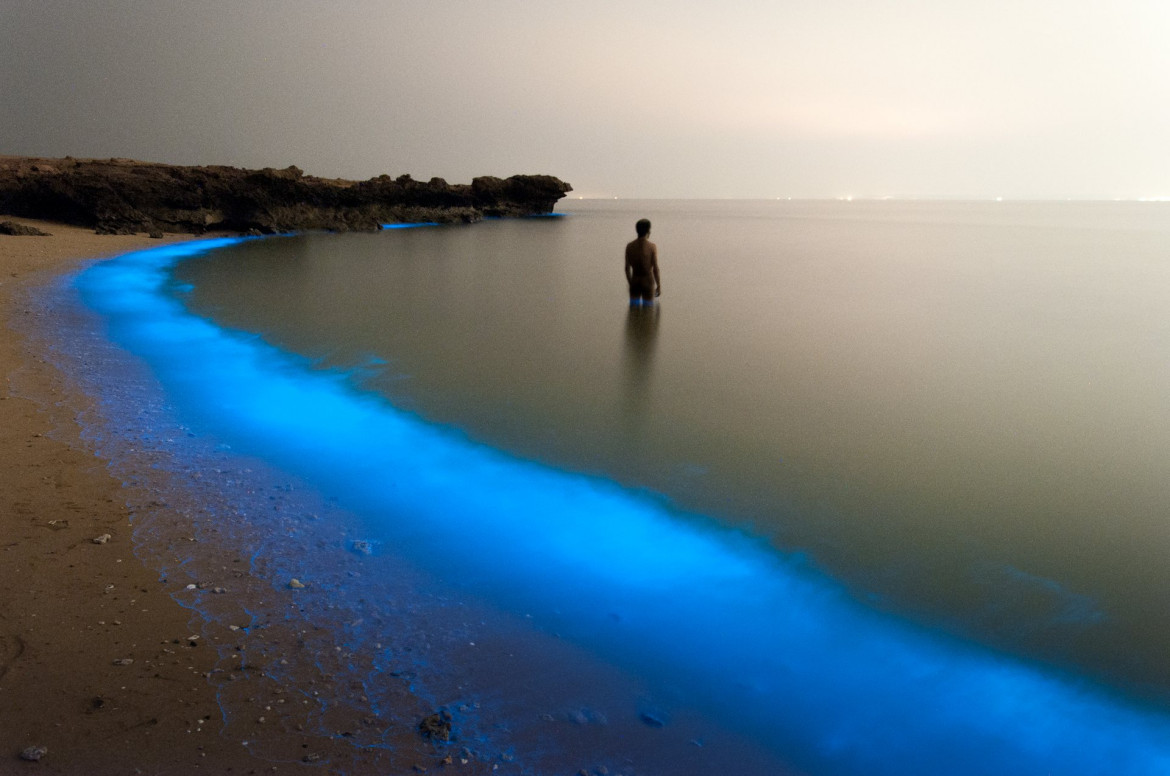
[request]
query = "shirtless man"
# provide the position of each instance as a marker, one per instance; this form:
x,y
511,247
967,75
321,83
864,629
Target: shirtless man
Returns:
x,y
642,266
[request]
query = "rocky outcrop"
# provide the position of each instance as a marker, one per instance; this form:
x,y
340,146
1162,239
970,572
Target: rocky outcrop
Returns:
x,y
21,230
122,196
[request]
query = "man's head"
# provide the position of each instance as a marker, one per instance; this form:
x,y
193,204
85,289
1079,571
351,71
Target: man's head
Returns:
x,y
642,227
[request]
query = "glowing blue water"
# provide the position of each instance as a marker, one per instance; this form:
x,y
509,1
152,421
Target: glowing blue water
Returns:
x,y
754,638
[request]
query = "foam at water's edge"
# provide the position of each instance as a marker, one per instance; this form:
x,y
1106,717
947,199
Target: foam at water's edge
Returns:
x,y
707,619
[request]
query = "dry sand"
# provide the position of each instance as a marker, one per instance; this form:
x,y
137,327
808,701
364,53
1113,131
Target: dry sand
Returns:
x,y
72,611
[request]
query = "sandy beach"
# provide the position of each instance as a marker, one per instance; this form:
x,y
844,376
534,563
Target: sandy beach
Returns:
x,y
89,665
101,670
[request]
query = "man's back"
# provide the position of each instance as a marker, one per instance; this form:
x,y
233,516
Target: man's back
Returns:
x,y
641,258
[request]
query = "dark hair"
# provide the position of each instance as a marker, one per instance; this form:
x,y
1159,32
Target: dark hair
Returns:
x,y
642,227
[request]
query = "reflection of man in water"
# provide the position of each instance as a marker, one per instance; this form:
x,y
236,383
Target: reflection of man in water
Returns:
x,y
638,366
642,266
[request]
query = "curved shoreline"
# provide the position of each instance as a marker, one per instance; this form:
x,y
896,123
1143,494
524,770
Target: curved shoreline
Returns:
x,y
71,607
75,611
784,652
854,665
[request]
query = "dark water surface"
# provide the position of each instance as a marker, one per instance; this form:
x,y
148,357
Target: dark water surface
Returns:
x,y
959,409
877,487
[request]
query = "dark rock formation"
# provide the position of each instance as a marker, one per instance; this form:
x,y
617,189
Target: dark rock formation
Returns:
x,y
121,196
20,230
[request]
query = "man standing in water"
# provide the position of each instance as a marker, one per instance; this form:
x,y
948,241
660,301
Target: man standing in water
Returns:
x,y
642,267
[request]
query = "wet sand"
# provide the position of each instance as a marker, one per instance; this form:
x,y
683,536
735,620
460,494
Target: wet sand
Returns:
x,y
96,661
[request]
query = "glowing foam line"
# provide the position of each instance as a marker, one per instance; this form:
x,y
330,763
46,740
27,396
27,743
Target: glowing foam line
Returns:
x,y
749,635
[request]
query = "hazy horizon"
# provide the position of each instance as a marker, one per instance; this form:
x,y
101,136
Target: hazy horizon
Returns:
x,y
753,100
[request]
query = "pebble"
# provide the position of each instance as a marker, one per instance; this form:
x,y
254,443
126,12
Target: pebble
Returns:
x,y
652,719
101,539
123,661
295,584
437,726
34,753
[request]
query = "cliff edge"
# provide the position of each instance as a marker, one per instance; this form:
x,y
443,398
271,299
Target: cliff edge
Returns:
x,y
123,196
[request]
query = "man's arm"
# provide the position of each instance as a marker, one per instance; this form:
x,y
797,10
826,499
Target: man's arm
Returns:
x,y
654,269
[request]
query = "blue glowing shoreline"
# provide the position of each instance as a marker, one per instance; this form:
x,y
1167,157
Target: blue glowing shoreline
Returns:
x,y
752,637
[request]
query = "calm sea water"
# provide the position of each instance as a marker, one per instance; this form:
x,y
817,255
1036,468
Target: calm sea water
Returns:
x,y
958,409
877,485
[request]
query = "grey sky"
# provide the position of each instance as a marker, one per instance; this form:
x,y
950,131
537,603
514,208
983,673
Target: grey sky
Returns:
x,y
684,99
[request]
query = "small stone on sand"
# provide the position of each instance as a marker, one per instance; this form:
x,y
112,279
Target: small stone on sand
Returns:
x,y
34,753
